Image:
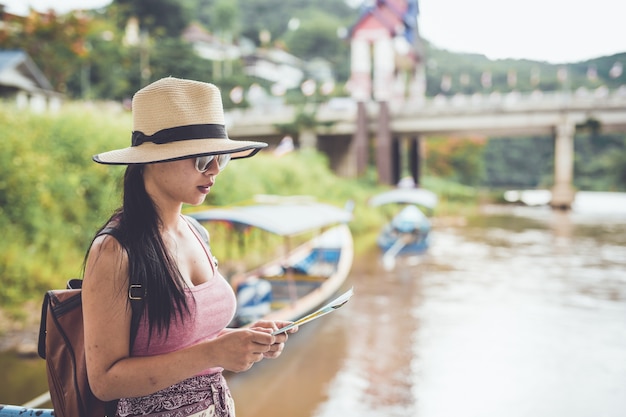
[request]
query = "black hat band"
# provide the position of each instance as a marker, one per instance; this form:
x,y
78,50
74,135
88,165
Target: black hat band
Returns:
x,y
174,134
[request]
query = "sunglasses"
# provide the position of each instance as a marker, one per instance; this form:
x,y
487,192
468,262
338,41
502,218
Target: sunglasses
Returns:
x,y
203,162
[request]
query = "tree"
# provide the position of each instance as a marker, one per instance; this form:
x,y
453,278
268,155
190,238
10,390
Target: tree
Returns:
x,y
55,43
162,18
457,159
175,57
316,37
618,167
225,19
106,72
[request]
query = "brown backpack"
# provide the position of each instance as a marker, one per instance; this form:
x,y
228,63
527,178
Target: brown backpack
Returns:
x,y
62,345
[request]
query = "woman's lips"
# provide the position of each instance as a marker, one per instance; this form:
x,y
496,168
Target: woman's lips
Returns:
x,y
205,188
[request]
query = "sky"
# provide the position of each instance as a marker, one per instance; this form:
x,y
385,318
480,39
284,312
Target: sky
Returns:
x,y
555,31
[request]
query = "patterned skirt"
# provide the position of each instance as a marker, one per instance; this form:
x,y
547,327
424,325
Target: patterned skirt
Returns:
x,y
199,396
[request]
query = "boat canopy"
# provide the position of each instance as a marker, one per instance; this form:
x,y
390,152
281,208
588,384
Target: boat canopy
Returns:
x,y
419,196
282,219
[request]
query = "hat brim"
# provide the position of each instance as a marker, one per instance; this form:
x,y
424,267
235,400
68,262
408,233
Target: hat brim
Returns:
x,y
149,152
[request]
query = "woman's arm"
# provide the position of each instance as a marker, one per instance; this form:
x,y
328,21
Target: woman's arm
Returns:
x,y
112,372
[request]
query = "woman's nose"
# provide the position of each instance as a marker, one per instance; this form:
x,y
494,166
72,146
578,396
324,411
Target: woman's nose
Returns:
x,y
213,168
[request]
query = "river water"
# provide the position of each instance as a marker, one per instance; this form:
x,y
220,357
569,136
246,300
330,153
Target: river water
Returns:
x,y
518,312
521,312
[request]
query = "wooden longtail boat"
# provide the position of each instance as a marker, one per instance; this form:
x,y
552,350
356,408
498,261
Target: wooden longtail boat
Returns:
x,y
302,278
408,232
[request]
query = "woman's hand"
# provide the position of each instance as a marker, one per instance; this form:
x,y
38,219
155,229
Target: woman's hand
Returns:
x,y
241,348
279,344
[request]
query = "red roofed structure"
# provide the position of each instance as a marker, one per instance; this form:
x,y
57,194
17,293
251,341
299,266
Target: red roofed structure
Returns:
x,y
387,66
386,51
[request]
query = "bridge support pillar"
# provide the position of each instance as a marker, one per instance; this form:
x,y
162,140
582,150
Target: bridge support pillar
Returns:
x,y
415,159
308,139
384,151
563,191
359,145
396,161
358,149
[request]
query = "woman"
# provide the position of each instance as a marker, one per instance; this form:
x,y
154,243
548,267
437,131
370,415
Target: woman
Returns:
x,y
181,345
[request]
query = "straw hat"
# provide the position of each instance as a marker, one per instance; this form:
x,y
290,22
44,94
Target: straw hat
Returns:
x,y
175,119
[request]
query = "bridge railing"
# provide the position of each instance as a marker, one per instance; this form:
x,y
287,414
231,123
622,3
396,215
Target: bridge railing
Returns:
x,y
581,99
515,101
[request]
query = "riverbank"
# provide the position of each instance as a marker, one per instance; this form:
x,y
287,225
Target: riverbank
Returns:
x,y
21,335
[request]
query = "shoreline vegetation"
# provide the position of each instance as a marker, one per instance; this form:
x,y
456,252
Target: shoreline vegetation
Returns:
x,y
19,329
54,198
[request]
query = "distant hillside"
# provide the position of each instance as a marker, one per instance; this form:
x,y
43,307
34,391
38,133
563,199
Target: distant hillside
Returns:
x,y
450,73
109,54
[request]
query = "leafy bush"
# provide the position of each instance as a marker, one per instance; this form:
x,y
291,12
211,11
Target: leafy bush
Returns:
x,y
53,197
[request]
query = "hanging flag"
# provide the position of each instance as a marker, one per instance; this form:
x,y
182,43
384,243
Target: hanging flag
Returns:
x,y
561,74
446,83
616,70
485,79
511,78
592,73
534,77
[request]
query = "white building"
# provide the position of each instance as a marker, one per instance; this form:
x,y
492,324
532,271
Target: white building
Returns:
x,y
23,83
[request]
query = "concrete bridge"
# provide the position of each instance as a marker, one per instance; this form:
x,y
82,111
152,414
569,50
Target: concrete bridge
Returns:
x,y
394,129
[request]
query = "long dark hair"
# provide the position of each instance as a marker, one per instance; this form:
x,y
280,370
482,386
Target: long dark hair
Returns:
x,y
149,263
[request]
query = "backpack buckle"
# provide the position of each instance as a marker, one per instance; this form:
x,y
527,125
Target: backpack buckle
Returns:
x,y
135,292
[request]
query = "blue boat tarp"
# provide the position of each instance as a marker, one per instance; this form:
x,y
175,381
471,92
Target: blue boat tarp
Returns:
x,y
410,219
282,219
408,232
419,196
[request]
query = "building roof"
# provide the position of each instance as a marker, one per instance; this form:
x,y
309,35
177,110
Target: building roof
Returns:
x,y
397,17
18,70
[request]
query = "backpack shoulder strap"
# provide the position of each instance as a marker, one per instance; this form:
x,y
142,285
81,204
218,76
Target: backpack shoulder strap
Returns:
x,y
199,228
136,293
203,234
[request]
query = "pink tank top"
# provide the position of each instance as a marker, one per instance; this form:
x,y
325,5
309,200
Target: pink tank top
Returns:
x,y
212,306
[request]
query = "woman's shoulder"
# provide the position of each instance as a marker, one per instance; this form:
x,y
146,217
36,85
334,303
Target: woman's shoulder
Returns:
x,y
107,243
106,265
